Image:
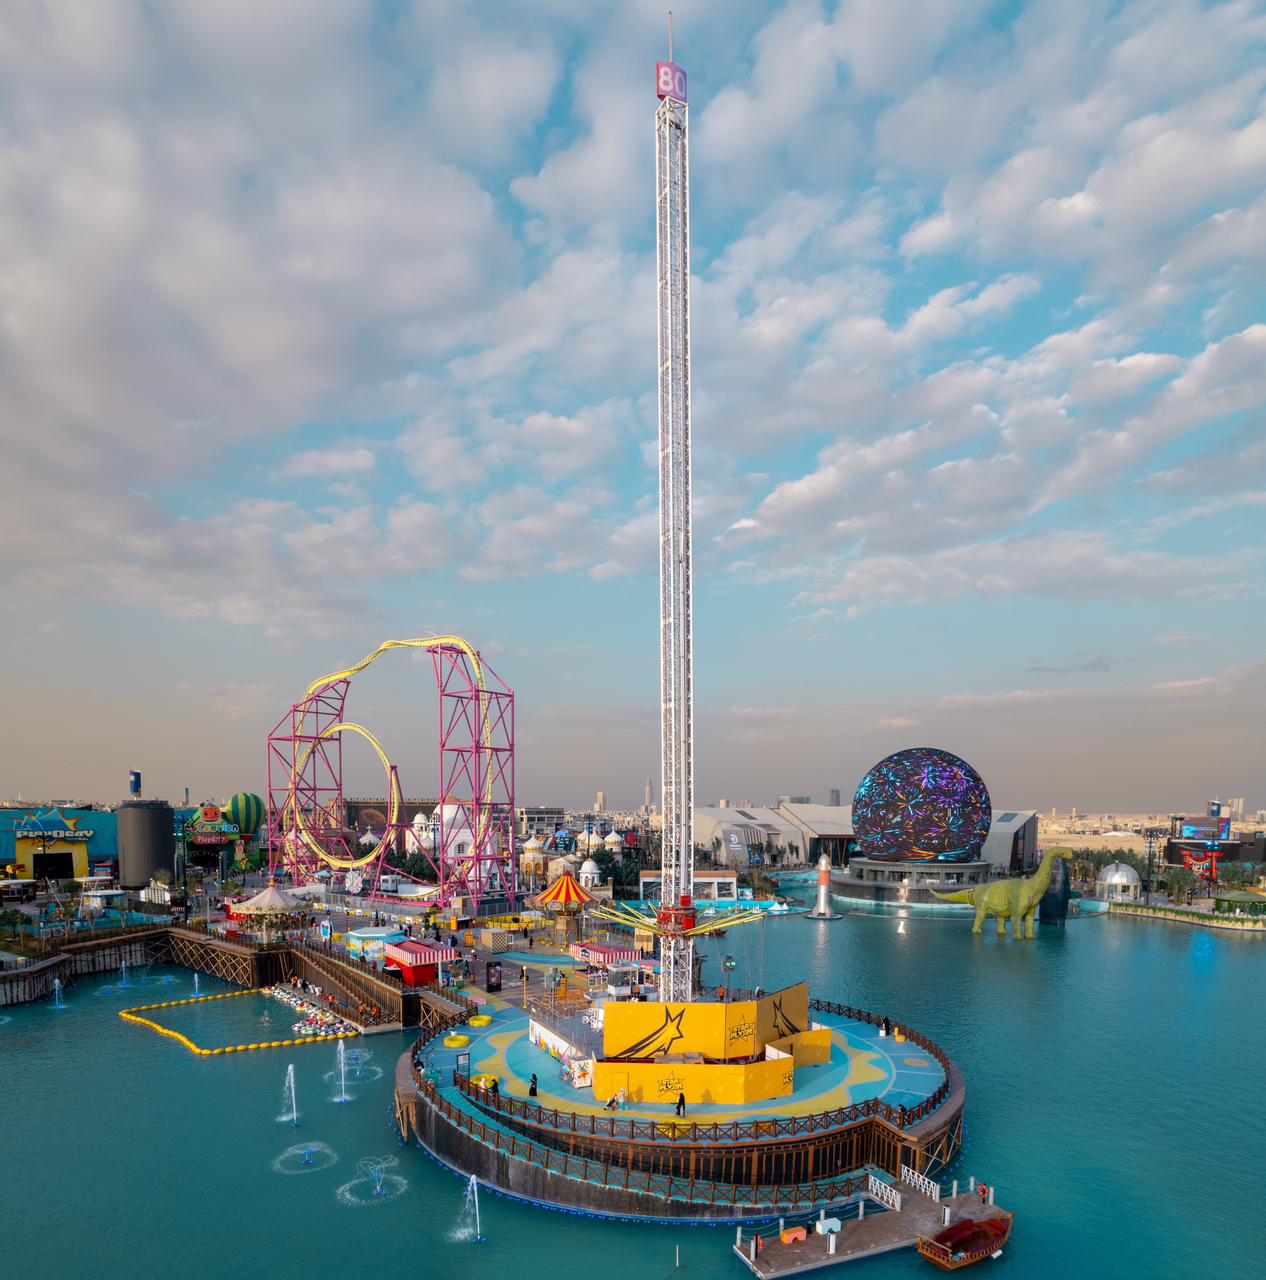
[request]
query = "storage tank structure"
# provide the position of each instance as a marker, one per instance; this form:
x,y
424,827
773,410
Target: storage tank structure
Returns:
x,y
147,841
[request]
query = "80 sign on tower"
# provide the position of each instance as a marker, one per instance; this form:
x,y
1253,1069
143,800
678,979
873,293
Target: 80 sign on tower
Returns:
x,y
670,81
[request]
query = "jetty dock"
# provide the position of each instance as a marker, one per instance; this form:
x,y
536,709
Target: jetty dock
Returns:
x,y
884,1217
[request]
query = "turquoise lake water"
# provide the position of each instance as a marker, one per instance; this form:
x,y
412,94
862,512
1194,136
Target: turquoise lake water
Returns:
x,y
1114,1099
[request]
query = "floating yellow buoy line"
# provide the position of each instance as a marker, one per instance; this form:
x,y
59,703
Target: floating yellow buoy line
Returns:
x,y
133,1015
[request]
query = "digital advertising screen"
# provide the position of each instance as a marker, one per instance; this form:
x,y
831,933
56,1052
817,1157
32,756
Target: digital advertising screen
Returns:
x,y
1206,829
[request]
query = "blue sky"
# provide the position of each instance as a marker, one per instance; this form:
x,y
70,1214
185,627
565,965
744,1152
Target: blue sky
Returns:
x,y
327,322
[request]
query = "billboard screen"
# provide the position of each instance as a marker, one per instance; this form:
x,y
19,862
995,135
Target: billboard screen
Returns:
x,y
1206,829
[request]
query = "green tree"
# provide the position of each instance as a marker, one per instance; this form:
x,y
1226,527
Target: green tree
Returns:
x,y
14,918
1179,882
416,865
1232,874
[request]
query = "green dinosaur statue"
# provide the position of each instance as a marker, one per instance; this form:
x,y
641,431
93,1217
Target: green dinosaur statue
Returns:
x,y
1014,900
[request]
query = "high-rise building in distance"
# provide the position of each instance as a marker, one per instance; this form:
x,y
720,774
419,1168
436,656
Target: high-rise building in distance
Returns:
x,y
648,796
600,802
833,796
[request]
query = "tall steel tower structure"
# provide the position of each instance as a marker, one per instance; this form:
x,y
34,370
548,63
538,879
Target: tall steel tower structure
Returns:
x,y
672,181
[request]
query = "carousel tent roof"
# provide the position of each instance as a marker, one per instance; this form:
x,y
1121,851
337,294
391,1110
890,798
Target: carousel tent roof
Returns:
x,y
563,893
270,901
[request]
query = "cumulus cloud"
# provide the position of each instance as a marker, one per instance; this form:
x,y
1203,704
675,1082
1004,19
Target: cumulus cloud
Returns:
x,y
975,302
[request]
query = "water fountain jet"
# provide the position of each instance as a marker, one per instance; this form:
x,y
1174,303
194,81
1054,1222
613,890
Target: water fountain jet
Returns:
x,y
341,1059
289,1107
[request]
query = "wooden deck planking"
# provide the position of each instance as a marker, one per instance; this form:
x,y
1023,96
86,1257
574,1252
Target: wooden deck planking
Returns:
x,y
878,1232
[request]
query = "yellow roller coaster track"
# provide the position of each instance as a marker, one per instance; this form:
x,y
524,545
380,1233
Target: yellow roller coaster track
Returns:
x,y
428,643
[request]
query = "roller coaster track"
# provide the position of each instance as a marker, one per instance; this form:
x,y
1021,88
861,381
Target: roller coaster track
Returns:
x,y
324,693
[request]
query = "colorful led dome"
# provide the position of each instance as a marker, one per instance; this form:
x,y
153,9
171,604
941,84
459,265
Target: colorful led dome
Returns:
x,y
921,805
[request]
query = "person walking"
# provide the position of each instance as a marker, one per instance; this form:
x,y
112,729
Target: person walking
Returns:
x,y
532,1086
681,1105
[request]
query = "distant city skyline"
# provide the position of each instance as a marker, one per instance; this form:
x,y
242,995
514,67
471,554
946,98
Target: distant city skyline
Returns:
x,y
979,371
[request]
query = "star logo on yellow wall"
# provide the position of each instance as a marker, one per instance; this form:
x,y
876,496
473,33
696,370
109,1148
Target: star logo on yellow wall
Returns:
x,y
659,1041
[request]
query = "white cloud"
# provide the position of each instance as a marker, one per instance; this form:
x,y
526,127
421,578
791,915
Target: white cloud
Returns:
x,y
1194,687
488,94
328,464
1066,564
1011,697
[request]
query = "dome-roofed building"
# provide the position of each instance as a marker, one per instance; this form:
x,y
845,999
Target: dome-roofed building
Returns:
x,y
1118,882
590,876
614,842
419,837
532,862
562,866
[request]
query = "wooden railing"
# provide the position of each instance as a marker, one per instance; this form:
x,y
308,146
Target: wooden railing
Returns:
x,y
628,1178
901,1116
356,988
453,997
50,944
199,929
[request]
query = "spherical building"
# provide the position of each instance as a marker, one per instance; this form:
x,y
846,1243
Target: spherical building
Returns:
x,y
1118,882
921,805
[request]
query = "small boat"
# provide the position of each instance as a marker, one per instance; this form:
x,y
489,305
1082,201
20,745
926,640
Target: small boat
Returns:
x,y
967,1242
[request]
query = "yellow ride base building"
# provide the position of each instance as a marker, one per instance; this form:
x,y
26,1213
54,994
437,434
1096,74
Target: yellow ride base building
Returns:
x,y
728,1052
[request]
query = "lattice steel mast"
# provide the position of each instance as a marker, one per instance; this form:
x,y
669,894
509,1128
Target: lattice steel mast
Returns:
x,y
675,622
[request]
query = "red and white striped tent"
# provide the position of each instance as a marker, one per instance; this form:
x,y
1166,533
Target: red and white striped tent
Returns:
x,y
411,952
603,954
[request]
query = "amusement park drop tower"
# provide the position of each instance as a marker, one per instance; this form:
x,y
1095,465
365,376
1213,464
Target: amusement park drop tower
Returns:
x,y
672,182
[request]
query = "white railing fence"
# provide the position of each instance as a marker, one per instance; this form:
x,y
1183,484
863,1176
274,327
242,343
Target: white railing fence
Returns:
x,y
920,1183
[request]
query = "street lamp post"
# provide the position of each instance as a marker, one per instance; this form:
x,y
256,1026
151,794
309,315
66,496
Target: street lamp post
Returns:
x,y
1151,835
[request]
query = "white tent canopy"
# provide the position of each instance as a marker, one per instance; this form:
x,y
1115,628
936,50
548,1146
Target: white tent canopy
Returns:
x,y
268,902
